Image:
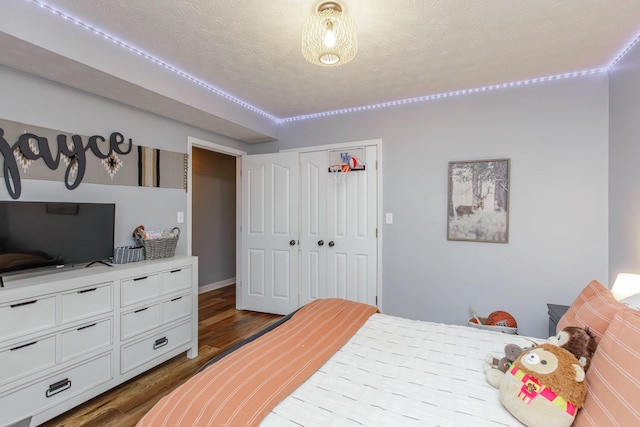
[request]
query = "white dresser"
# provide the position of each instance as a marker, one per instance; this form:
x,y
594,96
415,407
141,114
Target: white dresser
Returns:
x,y
68,336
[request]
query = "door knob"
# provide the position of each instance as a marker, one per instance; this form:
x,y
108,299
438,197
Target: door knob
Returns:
x,y
320,242
292,242
331,243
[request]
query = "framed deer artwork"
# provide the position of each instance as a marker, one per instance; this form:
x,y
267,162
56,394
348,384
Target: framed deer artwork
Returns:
x,y
478,201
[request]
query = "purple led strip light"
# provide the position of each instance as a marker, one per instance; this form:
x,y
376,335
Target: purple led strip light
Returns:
x,y
250,107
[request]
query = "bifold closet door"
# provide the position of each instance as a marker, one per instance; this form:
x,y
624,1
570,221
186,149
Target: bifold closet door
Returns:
x,y
338,242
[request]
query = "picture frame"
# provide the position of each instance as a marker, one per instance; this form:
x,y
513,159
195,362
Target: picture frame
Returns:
x,y
478,200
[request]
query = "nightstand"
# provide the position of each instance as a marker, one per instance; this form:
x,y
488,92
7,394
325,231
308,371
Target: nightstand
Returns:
x,y
555,313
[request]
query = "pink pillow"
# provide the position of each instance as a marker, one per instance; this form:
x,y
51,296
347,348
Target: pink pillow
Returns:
x,y
613,380
595,307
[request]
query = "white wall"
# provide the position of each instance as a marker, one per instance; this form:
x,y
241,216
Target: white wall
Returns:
x,y
624,159
556,137
39,102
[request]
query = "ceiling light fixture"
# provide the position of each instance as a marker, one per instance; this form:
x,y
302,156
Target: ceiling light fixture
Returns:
x,y
329,36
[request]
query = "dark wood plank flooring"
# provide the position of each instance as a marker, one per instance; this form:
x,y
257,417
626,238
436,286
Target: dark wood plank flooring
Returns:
x,y
220,326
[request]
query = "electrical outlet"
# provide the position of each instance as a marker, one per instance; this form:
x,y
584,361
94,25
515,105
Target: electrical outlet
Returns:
x,y
180,218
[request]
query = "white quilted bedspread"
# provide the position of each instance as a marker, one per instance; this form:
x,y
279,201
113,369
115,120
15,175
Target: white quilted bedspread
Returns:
x,y
400,372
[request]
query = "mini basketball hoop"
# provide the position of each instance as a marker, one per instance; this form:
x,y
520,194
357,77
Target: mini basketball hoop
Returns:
x,y
347,160
340,168
339,172
343,162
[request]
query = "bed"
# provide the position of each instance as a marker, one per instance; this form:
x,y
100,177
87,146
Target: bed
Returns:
x,y
340,363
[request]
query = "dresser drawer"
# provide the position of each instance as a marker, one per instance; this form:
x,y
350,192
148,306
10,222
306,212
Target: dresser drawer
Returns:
x,y
27,357
27,316
143,351
86,338
140,320
140,289
89,301
53,389
176,308
176,279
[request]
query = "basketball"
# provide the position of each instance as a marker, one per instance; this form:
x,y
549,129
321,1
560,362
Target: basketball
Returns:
x,y
501,318
353,162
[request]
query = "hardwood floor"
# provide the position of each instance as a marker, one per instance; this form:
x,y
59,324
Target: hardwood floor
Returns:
x,y
220,326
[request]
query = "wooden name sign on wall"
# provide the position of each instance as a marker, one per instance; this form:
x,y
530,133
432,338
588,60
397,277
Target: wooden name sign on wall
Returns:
x,y
32,152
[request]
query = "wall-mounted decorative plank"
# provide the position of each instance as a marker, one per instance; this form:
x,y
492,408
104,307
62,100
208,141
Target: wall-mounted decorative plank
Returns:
x,y
33,152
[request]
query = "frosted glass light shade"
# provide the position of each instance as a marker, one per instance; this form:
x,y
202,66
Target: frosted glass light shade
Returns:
x,y
329,36
626,285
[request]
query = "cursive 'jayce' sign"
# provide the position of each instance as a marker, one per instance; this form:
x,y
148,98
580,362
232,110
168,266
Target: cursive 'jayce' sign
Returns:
x,y
75,150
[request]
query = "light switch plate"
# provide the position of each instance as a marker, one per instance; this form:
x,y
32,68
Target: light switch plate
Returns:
x,y
180,217
389,218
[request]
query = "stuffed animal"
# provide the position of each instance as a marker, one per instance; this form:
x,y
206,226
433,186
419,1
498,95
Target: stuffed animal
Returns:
x,y
578,341
511,353
545,387
495,368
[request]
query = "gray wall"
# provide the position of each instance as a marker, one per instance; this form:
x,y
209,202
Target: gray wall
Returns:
x,y
624,171
556,137
555,134
39,102
214,215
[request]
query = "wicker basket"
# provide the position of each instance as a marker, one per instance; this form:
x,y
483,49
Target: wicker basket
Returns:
x,y
503,329
159,248
127,254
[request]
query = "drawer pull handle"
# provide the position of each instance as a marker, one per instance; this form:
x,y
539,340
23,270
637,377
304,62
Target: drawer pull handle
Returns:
x,y
176,271
160,342
24,303
84,291
23,346
87,326
58,387
176,299
140,278
142,309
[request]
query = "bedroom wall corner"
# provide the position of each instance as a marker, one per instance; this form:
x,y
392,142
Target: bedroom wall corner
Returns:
x,y
624,157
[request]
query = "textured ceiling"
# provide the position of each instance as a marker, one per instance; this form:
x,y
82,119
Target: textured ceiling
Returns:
x,y
250,49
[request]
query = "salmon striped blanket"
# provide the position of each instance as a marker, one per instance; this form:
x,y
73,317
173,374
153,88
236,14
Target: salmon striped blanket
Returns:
x,y
242,388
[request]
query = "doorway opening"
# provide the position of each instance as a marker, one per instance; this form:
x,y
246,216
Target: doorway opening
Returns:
x,y
212,212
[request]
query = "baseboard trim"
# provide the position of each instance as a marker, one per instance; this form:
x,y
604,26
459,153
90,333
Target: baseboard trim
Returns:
x,y
216,285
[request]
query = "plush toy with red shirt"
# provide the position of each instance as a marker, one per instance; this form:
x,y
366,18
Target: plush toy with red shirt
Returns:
x,y
544,387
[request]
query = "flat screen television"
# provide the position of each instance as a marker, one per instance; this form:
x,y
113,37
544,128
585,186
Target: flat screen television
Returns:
x,y
36,235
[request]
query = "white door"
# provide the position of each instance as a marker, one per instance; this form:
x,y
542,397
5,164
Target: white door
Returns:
x,y
338,241
269,281
313,225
